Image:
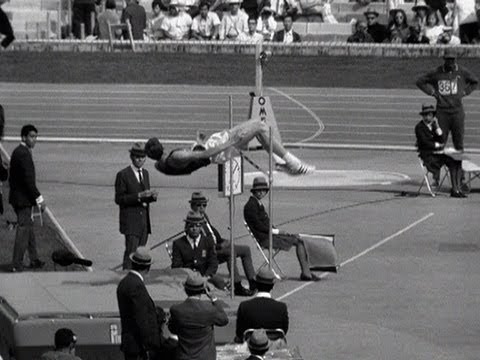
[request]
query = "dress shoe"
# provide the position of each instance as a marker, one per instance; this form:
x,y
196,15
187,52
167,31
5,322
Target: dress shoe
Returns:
x,y
312,277
457,194
37,264
242,291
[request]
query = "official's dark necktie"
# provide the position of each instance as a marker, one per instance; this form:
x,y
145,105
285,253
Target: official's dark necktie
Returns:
x,y
140,178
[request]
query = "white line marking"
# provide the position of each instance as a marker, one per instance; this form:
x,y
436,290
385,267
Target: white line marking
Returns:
x,y
321,126
364,252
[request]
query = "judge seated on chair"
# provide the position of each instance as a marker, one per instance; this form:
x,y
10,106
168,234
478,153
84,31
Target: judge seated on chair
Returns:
x,y
430,149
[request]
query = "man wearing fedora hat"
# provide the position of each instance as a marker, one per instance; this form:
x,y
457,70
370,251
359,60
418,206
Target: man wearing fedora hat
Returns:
x,y
258,221
133,196
376,30
194,319
262,311
448,84
258,344
198,203
430,144
141,334
65,341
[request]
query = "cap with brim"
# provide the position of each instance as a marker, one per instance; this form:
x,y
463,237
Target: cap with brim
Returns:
x,y
141,256
195,283
194,217
259,183
428,109
198,197
265,276
371,11
258,340
138,149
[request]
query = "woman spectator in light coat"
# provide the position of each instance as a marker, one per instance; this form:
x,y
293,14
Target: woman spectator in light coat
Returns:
x,y
433,29
398,29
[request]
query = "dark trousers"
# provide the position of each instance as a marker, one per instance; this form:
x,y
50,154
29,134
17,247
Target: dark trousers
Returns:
x,y
24,238
6,29
132,242
82,14
434,163
244,253
453,121
468,32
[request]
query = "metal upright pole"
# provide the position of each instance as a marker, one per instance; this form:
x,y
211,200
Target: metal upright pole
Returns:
x,y
231,207
258,69
270,198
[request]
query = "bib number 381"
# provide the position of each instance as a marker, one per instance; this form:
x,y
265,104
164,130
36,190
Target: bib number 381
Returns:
x,y
447,87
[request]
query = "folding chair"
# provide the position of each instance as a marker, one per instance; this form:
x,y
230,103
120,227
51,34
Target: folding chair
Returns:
x,y
265,257
472,170
426,180
112,28
167,245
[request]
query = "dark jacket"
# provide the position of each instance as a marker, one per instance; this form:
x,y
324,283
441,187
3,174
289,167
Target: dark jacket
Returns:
x,y
218,240
360,37
23,187
132,210
261,312
279,35
192,321
449,87
257,219
426,139
378,31
138,19
203,259
138,316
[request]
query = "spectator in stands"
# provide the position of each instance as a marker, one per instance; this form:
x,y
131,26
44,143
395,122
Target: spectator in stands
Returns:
x,y
5,27
206,25
258,345
176,25
287,35
430,143
251,8
257,219
326,11
155,22
466,13
109,16
361,34
24,197
441,6
194,319
82,11
65,341
398,29
267,24
420,12
447,37
262,312
416,35
198,203
234,22
137,16
251,35
433,29
378,31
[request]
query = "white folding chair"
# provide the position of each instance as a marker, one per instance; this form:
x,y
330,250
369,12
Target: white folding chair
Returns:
x,y
112,30
426,179
265,257
472,170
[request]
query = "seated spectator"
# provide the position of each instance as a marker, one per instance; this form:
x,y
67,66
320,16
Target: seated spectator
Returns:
x,y
198,203
251,35
466,13
267,24
194,319
287,35
433,29
326,11
441,6
416,35
282,7
109,16
430,144
447,37
398,29
361,34
65,341
233,22
420,10
138,19
262,312
206,25
176,25
258,345
378,31
155,22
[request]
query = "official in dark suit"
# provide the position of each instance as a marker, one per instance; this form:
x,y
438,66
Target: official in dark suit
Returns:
x,y
287,35
258,221
198,203
141,335
194,250
24,195
258,344
430,145
133,195
5,27
262,312
193,321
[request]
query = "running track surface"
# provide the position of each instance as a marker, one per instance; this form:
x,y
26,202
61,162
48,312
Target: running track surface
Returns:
x,y
171,112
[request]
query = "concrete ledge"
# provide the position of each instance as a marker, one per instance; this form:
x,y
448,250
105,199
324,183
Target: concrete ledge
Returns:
x,y
313,48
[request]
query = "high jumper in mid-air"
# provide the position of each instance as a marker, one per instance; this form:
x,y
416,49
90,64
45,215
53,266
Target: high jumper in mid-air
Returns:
x,y
220,147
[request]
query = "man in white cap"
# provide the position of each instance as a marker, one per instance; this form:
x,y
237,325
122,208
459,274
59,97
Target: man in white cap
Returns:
x,y
233,22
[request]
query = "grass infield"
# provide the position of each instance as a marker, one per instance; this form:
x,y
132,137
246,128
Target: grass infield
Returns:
x,y
216,69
